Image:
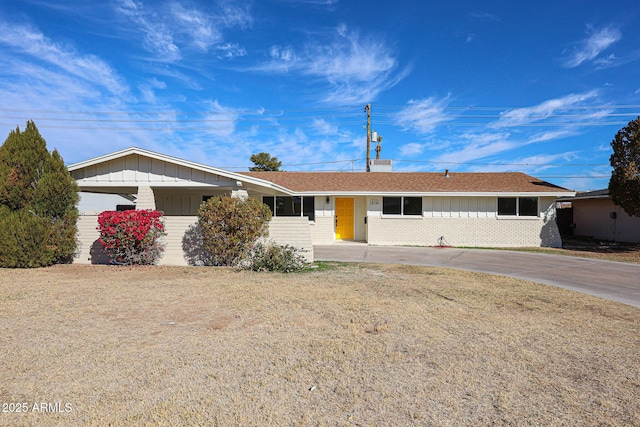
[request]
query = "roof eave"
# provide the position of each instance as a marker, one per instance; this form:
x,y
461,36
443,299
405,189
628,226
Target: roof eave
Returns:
x,y
436,193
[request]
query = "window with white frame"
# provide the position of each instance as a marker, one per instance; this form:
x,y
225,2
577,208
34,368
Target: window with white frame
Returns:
x,y
402,205
291,206
517,206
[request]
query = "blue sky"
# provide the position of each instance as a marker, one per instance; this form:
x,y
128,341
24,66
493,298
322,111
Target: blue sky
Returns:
x,y
539,87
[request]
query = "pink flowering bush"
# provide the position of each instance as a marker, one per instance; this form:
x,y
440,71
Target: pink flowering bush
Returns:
x,y
132,237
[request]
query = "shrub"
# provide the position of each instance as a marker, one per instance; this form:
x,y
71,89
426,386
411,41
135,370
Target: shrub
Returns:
x,y
132,237
231,226
27,240
270,256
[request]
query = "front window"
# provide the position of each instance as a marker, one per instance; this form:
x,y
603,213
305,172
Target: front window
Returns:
x,y
392,205
291,206
528,206
402,205
517,206
412,206
507,206
288,206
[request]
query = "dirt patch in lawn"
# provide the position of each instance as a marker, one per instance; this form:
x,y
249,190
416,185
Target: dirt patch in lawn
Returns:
x,y
351,345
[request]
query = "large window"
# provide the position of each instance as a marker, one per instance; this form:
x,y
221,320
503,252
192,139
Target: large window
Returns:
x,y
402,205
528,206
288,206
291,206
507,206
392,205
412,206
518,206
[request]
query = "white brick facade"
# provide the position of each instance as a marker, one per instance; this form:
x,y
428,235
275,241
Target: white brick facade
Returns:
x,y
463,221
480,232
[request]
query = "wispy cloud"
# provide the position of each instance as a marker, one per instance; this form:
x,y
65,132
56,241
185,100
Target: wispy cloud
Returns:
x,y
147,89
35,46
473,146
606,62
233,15
230,50
222,120
323,127
171,28
423,115
357,68
311,2
197,25
412,149
529,164
283,57
484,16
158,38
544,110
589,48
351,58
515,129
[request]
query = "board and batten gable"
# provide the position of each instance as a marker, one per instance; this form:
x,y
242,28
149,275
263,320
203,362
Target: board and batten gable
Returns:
x,y
134,170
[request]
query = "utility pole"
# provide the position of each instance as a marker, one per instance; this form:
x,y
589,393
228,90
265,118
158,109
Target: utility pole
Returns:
x,y
367,109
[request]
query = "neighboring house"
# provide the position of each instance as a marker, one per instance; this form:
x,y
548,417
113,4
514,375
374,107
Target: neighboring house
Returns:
x,y
595,215
380,208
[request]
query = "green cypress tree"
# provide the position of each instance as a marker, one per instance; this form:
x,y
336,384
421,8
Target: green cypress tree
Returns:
x,y
37,202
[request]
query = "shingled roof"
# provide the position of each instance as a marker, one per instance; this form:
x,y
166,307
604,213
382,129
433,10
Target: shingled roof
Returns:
x,y
410,182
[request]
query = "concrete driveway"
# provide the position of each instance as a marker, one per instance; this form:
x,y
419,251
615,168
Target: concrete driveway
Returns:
x,y
607,279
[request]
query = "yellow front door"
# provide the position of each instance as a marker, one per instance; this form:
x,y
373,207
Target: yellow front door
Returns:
x,y
344,218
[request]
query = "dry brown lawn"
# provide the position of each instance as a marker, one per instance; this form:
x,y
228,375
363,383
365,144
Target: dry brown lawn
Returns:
x,y
350,345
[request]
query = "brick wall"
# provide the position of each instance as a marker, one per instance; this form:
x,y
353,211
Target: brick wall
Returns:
x,y
471,221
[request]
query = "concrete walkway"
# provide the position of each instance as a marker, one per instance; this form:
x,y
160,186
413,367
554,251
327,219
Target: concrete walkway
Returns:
x,y
615,281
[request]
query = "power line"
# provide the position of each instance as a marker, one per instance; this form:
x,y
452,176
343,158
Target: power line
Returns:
x,y
502,164
323,163
233,120
302,124
312,111
601,115
573,177
445,123
175,112
488,108
178,128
